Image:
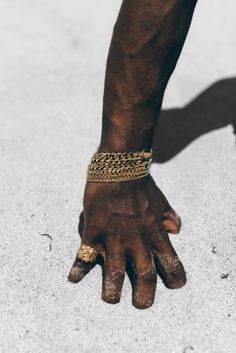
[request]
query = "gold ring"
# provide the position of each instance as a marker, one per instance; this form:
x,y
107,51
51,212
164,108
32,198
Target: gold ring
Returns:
x,y
86,253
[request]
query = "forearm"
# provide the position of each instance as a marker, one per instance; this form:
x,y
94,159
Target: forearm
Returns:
x,y
146,43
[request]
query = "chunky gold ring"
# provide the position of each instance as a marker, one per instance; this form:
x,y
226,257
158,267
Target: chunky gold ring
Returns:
x,y
86,253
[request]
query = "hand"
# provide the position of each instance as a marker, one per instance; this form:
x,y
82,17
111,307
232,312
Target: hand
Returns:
x,y
128,224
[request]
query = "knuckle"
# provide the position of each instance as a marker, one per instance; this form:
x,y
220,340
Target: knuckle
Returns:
x,y
147,274
115,273
159,230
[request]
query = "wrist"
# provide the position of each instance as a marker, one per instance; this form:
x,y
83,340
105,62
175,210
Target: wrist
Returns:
x,y
120,146
125,139
119,167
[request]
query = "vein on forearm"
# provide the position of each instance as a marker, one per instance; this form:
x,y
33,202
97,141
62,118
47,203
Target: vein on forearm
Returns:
x,y
146,43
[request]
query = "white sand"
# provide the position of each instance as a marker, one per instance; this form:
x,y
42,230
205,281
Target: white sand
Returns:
x,y
51,80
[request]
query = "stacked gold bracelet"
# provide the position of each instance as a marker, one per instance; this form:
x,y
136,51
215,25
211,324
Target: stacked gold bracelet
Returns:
x,y
118,167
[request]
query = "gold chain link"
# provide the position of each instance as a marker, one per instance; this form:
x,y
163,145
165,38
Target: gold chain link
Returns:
x,y
117,167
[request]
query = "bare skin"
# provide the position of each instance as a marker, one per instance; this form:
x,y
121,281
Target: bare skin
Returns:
x,y
128,223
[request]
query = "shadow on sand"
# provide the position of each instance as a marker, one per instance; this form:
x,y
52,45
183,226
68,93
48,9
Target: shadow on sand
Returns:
x,y
214,108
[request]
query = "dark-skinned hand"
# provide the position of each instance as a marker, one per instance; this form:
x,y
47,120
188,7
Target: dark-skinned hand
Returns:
x,y
128,224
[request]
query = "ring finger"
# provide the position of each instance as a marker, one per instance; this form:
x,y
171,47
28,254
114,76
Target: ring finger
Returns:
x,y
144,274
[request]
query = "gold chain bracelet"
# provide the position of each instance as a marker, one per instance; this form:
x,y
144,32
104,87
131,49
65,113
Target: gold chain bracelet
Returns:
x,y
118,167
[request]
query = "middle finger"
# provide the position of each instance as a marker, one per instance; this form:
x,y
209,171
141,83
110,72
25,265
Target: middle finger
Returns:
x,y
114,271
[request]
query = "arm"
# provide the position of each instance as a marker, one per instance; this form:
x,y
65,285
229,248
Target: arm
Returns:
x,y
147,40
128,223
